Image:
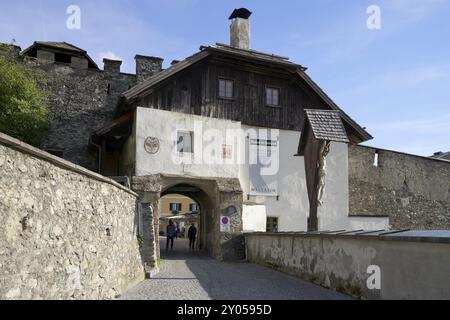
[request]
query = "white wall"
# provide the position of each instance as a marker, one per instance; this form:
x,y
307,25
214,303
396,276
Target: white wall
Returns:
x,y
368,223
292,206
254,218
163,125
333,214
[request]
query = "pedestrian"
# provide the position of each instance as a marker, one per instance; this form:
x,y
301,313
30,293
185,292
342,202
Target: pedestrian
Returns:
x,y
171,231
177,230
192,234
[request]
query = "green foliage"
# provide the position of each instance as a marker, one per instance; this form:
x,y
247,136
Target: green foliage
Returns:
x,y
140,240
23,112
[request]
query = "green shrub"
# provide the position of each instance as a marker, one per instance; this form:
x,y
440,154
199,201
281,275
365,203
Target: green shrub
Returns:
x,y
23,112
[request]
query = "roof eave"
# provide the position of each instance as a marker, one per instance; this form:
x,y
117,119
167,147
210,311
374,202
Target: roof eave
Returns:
x,y
361,133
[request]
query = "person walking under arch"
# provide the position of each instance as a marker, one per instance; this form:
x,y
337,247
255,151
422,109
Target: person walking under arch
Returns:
x,y
192,234
171,231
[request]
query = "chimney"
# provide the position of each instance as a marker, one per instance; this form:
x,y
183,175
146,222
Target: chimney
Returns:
x,y
147,67
240,29
111,66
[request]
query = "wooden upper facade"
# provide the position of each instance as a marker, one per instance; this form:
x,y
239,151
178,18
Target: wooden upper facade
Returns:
x,y
267,90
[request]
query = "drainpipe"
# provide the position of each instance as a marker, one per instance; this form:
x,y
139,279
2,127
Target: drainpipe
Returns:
x,y
99,155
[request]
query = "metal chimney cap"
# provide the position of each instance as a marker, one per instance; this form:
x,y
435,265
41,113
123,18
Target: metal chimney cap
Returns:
x,y
240,13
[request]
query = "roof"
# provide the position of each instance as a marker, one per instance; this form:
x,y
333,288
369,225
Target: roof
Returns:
x,y
62,46
124,119
297,70
441,155
252,54
143,87
326,125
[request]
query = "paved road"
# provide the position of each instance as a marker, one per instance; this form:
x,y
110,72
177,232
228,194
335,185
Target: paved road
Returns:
x,y
186,275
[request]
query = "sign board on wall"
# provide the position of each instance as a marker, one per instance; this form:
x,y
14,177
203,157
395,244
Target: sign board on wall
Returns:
x,y
264,167
225,224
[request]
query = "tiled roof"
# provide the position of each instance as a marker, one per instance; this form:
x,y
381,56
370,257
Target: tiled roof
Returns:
x,y
61,45
252,54
327,125
441,155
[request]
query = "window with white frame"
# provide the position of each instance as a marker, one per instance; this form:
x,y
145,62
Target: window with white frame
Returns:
x,y
226,88
175,206
193,207
272,97
185,142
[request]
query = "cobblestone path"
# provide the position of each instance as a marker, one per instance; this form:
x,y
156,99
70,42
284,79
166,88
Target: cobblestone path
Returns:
x,y
186,275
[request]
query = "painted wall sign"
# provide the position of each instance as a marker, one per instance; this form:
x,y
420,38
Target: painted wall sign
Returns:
x,y
152,145
266,152
225,224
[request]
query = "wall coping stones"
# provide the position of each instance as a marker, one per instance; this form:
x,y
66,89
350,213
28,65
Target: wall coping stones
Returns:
x,y
430,236
24,147
404,153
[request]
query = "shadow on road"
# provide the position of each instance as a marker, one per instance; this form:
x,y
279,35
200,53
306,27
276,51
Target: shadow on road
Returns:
x,y
232,280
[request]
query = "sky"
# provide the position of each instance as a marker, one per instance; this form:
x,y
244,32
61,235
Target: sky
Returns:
x,y
394,80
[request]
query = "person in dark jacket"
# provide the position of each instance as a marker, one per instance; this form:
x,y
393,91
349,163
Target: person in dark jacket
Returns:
x,y
192,234
171,231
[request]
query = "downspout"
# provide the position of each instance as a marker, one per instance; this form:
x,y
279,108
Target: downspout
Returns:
x,y
99,155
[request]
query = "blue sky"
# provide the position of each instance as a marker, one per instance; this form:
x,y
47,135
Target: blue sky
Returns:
x,y
395,81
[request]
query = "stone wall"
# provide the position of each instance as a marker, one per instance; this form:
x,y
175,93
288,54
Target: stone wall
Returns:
x,y
81,101
65,232
410,265
413,191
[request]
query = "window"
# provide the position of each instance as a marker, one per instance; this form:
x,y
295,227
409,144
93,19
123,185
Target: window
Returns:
x,y
185,142
175,206
272,97
193,207
376,159
272,224
226,88
63,58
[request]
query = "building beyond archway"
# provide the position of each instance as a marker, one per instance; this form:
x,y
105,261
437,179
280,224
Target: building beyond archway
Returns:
x,y
220,201
183,211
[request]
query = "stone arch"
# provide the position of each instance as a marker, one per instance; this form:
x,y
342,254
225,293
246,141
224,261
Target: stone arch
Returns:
x,y
205,200
215,195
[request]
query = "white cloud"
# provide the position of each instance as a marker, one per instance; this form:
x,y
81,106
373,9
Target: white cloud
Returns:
x,y
109,55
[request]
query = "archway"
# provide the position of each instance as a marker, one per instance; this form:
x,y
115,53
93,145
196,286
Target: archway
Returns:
x,y
189,194
184,213
220,202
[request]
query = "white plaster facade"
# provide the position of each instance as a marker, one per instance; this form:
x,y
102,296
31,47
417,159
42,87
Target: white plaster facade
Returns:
x,y
291,207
